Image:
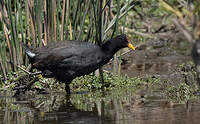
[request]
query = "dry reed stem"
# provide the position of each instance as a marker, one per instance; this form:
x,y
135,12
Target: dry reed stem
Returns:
x,y
63,18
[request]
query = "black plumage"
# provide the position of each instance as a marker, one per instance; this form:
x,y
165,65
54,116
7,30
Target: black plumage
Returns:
x,y
196,52
66,60
196,58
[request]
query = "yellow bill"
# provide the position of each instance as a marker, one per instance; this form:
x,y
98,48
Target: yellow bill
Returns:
x,y
131,46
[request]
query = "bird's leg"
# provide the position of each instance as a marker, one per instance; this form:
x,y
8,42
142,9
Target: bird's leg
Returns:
x,y
198,74
67,89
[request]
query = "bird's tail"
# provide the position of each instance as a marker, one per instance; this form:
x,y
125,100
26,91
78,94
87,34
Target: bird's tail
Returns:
x,y
28,51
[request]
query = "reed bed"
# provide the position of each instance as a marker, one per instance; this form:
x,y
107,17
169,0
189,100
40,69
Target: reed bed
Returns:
x,y
38,22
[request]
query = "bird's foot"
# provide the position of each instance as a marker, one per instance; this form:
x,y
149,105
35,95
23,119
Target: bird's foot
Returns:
x,y
67,89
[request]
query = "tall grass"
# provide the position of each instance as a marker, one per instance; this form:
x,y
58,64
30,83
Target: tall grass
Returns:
x,y
38,22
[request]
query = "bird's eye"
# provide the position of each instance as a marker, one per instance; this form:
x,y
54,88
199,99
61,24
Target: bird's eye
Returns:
x,y
127,39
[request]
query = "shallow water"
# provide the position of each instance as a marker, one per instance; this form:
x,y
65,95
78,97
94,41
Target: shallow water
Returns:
x,y
126,107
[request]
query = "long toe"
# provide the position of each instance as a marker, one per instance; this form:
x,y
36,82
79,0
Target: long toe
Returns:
x,y
67,89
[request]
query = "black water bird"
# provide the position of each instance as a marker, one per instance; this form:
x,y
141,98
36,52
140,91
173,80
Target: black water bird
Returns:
x,y
66,60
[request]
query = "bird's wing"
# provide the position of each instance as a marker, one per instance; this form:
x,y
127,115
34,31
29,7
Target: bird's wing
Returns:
x,y
73,58
64,44
52,58
80,60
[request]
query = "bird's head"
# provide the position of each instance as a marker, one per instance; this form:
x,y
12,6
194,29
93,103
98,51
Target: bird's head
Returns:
x,y
125,42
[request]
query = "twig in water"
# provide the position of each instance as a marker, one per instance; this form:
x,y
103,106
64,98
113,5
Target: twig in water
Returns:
x,y
30,73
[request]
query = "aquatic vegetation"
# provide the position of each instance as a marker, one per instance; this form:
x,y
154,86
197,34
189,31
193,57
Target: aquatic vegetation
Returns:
x,y
181,93
87,82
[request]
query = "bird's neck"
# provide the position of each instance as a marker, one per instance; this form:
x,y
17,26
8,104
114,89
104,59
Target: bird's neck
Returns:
x,y
110,47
